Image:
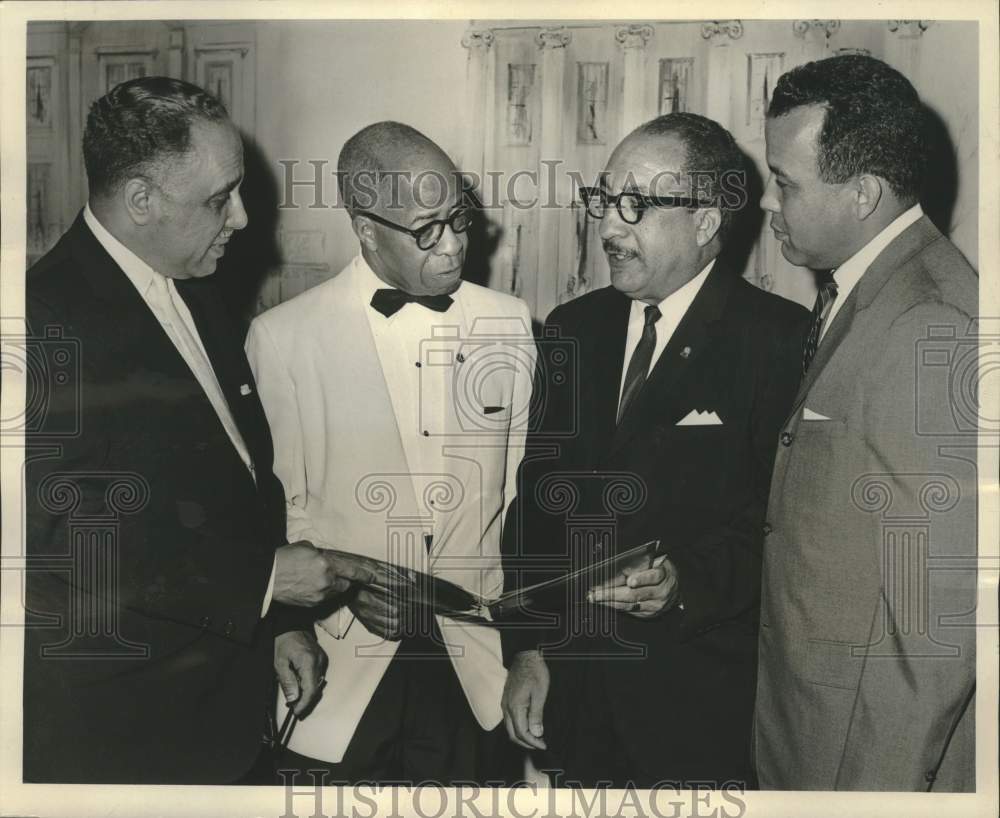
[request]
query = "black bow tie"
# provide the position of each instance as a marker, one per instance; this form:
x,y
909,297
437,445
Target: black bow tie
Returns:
x,y
389,302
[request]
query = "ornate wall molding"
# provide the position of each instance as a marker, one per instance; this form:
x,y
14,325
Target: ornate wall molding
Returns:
x,y
634,36
553,38
824,27
717,29
478,38
909,28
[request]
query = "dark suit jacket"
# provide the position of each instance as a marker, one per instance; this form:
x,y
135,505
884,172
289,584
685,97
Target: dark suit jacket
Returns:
x,y
700,489
149,544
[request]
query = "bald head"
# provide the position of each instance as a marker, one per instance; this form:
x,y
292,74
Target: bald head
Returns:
x,y
380,163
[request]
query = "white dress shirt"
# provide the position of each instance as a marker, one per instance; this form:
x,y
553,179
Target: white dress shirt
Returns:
x,y
172,313
672,310
417,389
848,274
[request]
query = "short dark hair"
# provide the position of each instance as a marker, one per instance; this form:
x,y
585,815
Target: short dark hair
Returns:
x,y
141,123
710,152
874,120
371,153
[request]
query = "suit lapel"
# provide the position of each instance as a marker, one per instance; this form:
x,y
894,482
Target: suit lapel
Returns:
x,y
147,346
145,343
369,397
682,351
908,243
828,345
225,353
605,374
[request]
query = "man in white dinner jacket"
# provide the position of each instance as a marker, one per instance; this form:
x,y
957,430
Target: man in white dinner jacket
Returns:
x,y
398,398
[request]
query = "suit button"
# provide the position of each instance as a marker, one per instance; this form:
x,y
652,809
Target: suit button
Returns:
x,y
230,627
767,529
929,776
205,622
786,439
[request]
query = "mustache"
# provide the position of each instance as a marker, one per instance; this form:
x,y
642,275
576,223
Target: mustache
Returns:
x,y
611,246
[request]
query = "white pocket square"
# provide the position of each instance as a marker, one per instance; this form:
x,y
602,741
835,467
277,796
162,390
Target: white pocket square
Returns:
x,y
698,418
809,414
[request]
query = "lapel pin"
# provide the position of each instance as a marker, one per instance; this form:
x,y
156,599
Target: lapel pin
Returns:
x,y
686,352
244,389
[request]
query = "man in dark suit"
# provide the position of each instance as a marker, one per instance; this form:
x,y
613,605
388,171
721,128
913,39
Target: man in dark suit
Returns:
x,y
685,373
155,526
868,638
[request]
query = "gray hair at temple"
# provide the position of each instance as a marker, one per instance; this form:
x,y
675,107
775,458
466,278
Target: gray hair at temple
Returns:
x,y
141,125
377,154
716,164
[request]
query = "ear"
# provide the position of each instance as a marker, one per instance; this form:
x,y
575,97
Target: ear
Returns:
x,y
868,193
137,194
364,229
708,220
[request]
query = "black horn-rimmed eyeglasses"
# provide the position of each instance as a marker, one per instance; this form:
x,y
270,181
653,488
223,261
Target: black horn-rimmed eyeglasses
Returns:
x,y
631,204
428,235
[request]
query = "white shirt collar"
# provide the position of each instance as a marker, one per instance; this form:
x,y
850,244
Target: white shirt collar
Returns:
x,y
139,273
679,300
849,273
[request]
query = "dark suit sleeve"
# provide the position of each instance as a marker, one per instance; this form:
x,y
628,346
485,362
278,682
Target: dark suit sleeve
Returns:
x,y
719,575
162,558
527,533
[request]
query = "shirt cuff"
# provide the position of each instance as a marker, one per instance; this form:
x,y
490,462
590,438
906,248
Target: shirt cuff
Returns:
x,y
270,588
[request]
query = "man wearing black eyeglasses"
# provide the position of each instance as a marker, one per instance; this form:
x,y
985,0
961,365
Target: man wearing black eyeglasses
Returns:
x,y
397,394
686,372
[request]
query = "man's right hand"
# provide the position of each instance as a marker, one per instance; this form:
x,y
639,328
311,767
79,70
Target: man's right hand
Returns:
x,y
379,612
524,697
305,575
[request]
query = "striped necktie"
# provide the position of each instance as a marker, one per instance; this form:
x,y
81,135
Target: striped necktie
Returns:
x,y
638,367
824,300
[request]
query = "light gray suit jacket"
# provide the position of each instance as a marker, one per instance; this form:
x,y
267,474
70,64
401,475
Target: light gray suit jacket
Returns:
x,y
867,642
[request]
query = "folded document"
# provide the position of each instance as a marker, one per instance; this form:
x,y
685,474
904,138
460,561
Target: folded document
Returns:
x,y
448,599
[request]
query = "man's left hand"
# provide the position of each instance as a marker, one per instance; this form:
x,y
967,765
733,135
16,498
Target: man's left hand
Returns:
x,y
642,592
300,664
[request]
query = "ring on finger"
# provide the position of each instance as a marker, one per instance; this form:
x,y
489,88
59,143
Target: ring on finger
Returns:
x,y
635,606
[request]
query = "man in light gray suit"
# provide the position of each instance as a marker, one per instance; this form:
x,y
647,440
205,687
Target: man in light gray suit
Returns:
x,y
867,641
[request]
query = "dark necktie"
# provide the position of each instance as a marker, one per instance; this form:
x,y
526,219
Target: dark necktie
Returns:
x,y
389,302
638,367
824,300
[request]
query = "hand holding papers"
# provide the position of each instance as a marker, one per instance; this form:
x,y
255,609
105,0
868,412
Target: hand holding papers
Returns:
x,y
407,587
305,575
641,592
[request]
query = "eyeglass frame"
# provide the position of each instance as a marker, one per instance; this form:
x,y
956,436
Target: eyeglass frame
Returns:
x,y
644,201
463,210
